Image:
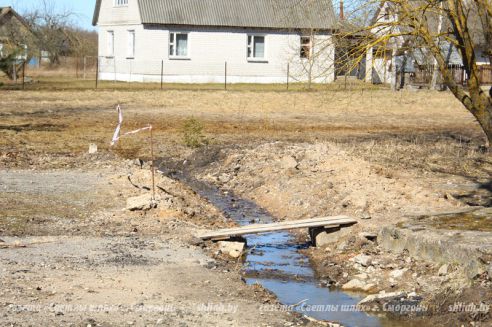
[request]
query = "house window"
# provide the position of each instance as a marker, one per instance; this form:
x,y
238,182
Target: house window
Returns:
x,y
131,44
306,47
178,44
110,43
120,3
256,47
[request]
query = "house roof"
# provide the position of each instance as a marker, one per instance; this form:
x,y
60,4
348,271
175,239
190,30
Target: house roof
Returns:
x,y
432,19
274,14
6,13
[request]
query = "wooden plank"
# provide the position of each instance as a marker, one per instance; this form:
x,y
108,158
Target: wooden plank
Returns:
x,y
328,222
293,222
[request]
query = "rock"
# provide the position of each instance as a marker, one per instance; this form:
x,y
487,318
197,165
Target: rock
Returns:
x,y
353,285
443,271
288,162
397,273
142,202
369,287
366,216
368,236
233,249
92,148
342,246
362,276
224,178
207,263
381,297
363,260
321,237
358,285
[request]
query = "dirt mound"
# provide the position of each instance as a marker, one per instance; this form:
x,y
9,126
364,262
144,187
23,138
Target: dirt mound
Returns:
x,y
305,180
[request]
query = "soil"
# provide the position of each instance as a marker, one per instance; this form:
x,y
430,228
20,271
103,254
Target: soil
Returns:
x,y
68,244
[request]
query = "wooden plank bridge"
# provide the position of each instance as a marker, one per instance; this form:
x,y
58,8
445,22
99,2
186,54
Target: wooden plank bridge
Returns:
x,y
313,223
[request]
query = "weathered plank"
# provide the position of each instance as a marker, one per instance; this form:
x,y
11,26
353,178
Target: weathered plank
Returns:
x,y
273,227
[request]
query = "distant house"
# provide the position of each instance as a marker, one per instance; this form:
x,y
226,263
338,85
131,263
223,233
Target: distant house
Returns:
x,y
408,59
201,41
15,33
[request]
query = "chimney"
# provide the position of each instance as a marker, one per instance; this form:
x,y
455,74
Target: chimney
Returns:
x,y
342,15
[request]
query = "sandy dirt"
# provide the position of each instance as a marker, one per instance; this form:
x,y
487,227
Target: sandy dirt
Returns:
x,y
374,155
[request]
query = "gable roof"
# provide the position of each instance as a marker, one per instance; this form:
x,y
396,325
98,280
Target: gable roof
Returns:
x,y
275,14
6,13
473,20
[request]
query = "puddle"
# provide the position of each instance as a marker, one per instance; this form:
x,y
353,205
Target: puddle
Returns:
x,y
274,261
465,221
479,220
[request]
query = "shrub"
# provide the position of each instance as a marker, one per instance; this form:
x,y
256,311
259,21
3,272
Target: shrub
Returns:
x,y
193,133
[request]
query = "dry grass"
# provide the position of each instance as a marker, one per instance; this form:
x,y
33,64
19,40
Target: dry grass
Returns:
x,y
422,130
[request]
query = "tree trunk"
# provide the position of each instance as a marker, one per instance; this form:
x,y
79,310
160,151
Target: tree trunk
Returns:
x,y
483,114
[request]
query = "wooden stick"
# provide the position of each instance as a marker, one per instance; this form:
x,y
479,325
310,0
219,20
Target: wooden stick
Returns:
x,y
152,163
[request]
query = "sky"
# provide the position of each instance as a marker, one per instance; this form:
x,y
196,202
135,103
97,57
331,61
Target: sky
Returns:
x,y
83,9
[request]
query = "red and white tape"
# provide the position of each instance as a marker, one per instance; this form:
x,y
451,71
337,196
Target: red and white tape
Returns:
x,y
117,136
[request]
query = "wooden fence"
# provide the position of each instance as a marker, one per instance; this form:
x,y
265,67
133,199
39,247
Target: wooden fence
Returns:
x,y
423,75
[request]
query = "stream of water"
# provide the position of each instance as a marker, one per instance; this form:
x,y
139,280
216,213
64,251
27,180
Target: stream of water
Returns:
x,y
274,261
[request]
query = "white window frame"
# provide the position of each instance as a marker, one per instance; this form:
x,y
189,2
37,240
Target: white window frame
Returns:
x,y
130,52
252,48
173,43
120,3
110,43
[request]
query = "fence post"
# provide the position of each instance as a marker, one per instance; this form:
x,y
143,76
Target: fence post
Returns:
x,y
77,67
23,74
14,70
97,71
225,76
288,73
131,67
85,67
162,73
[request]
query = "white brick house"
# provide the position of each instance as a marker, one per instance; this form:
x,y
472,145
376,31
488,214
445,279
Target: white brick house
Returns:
x,y
198,41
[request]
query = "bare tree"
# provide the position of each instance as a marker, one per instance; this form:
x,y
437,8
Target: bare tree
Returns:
x,y
53,30
17,43
407,25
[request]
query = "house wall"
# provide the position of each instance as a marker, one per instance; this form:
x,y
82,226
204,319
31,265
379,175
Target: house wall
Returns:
x,y
122,15
482,58
208,51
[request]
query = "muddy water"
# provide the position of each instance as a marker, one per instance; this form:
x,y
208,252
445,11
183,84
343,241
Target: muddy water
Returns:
x,y
274,261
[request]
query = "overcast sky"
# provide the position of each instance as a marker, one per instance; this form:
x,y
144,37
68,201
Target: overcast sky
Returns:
x,y
83,9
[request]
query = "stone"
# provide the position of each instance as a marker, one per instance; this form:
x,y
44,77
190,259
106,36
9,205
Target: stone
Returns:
x,y
397,273
362,276
368,236
366,216
92,148
358,285
381,297
353,285
233,249
141,202
324,236
288,162
369,287
443,271
342,246
363,260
